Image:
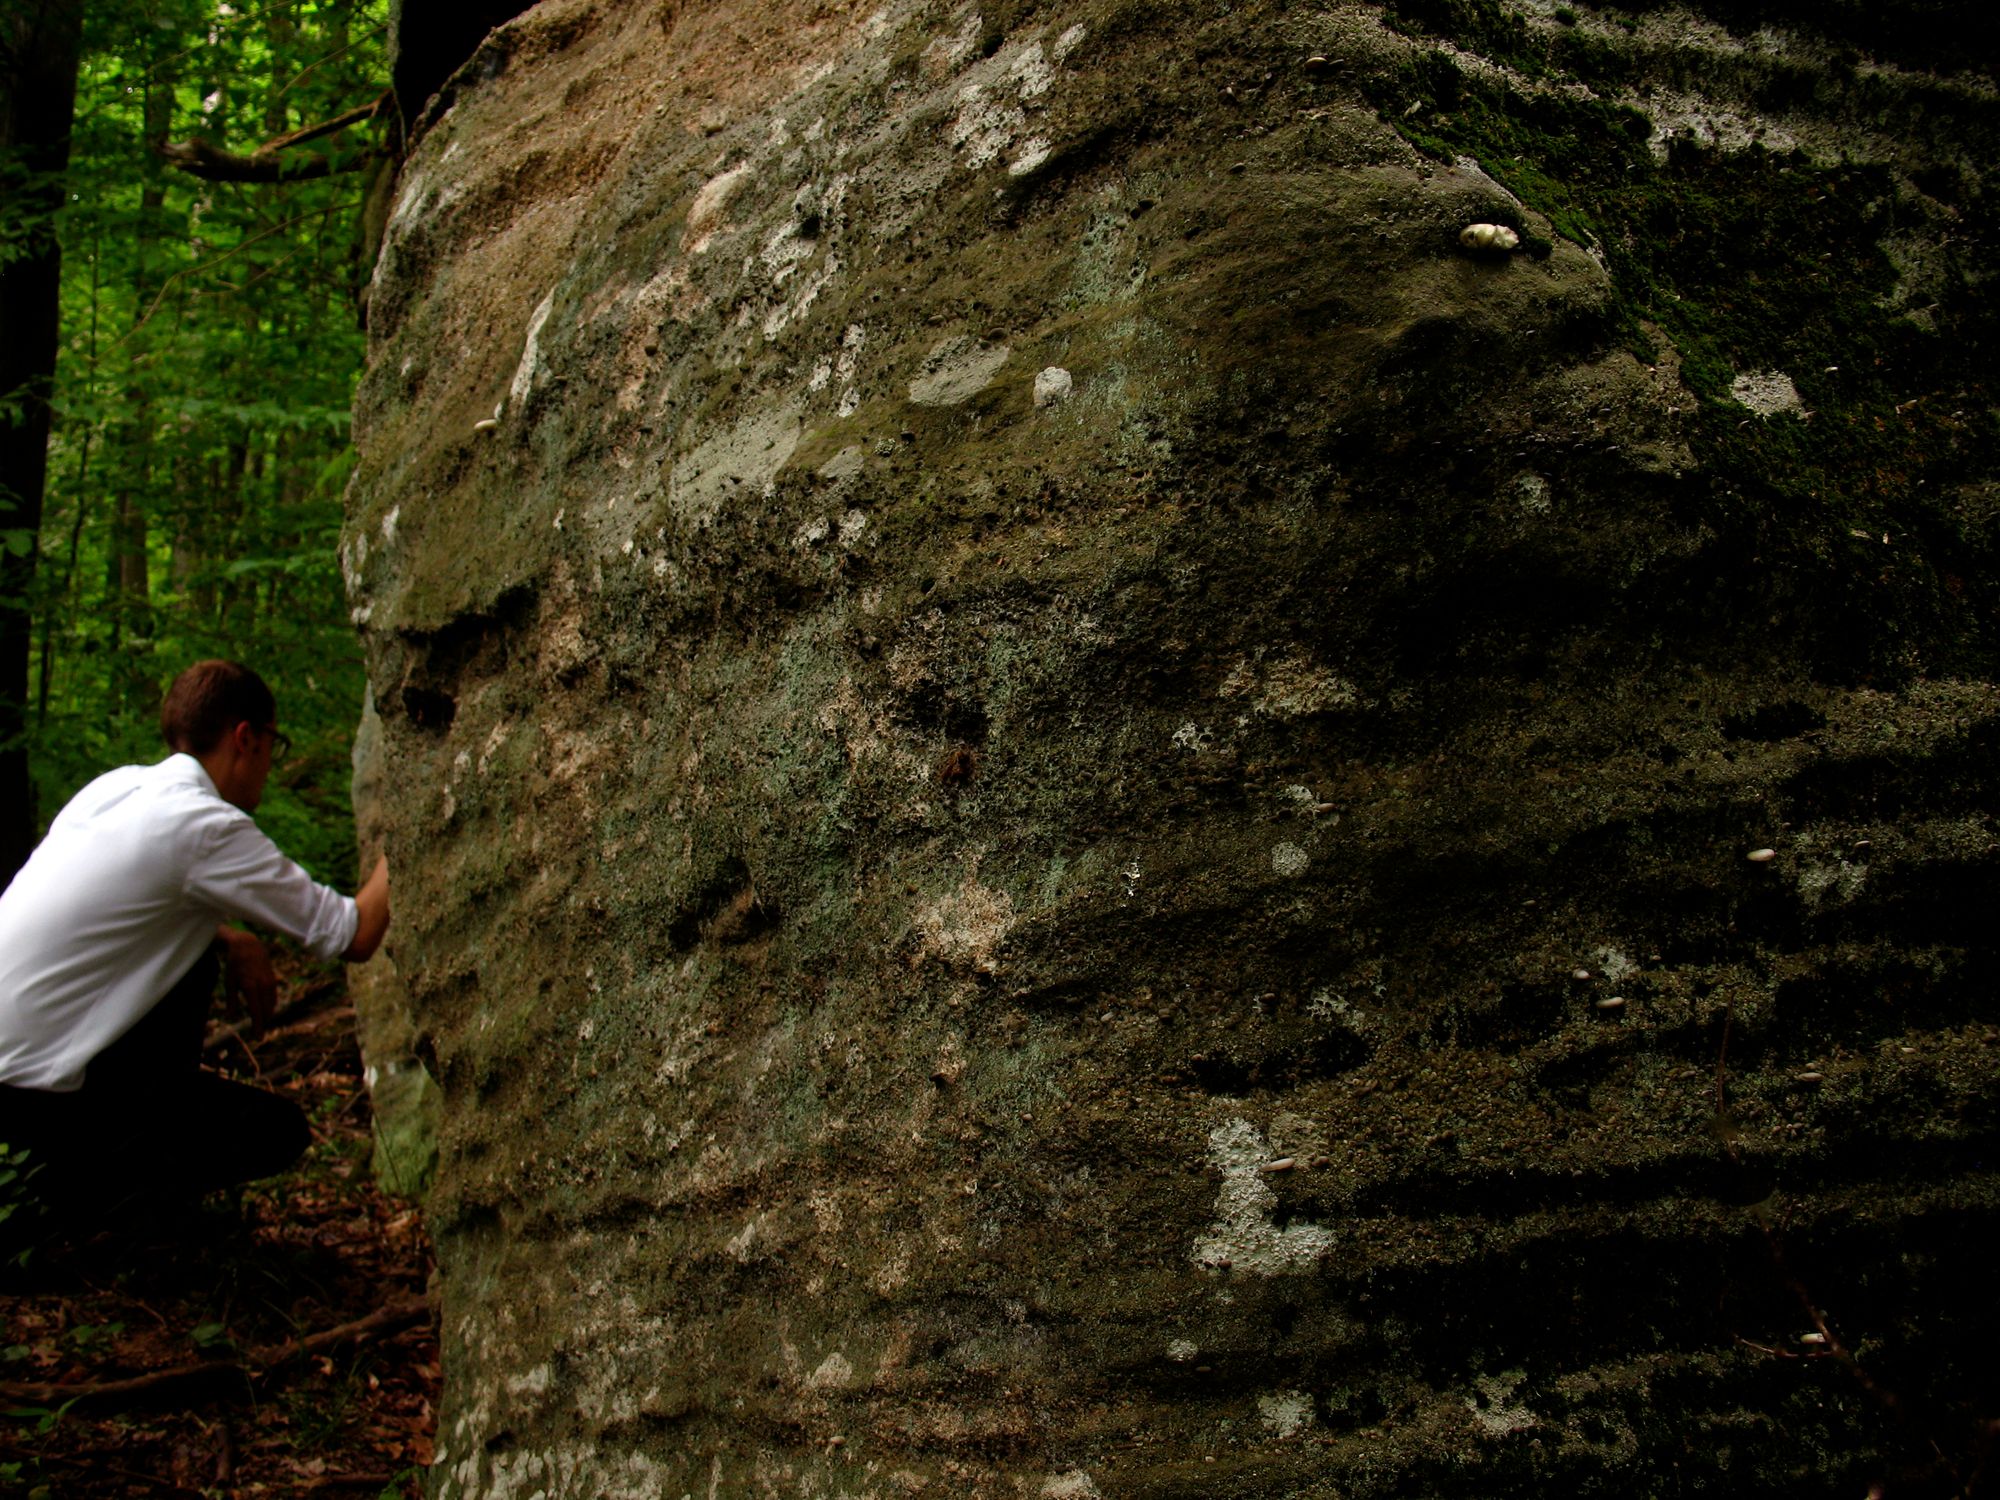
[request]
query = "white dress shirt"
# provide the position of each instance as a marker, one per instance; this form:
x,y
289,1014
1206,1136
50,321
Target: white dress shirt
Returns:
x,y
120,900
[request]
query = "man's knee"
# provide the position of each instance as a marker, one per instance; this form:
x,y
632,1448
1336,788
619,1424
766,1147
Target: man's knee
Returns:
x,y
268,1133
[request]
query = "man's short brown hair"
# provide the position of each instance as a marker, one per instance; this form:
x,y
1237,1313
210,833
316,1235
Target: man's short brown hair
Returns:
x,y
208,700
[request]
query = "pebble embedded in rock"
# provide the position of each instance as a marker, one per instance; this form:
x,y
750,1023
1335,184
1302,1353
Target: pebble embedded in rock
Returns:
x,y
1053,385
1491,239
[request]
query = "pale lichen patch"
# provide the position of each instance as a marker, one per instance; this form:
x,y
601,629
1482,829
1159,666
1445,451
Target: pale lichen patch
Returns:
x,y
956,370
834,1372
1244,1236
1075,1485
531,352
705,213
966,927
1286,1413
1494,1409
1766,392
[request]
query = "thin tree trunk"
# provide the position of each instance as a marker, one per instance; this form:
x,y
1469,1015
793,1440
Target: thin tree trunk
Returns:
x,y
39,45
127,585
61,600
58,599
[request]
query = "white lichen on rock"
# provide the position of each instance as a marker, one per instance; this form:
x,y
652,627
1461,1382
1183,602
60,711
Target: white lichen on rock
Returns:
x,y
1494,1408
531,351
1766,392
1286,1413
966,927
1052,385
956,369
1075,1485
1288,859
1244,1236
1531,492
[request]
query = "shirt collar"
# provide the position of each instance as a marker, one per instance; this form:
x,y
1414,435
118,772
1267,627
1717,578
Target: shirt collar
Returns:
x,y
188,771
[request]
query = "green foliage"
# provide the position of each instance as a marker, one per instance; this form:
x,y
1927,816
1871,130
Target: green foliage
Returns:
x,y
18,1208
44,1418
86,1337
209,1337
210,346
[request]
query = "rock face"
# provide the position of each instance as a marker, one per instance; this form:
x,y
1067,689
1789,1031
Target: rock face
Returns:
x,y
1078,802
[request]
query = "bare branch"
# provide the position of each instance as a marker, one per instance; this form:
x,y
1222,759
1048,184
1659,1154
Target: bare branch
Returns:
x,y
199,159
392,1318
325,127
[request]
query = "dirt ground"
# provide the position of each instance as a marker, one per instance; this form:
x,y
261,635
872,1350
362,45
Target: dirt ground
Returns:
x,y
274,1342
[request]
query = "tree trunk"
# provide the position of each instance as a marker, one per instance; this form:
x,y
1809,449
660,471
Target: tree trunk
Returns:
x,y
38,63
127,572
1153,756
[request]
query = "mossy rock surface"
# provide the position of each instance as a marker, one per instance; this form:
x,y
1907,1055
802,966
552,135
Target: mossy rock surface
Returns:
x,y
1188,926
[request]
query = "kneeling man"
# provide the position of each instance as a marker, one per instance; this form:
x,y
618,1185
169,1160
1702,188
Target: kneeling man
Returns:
x,y
111,938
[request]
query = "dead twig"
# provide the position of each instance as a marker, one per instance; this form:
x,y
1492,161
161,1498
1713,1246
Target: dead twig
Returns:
x,y
225,1450
221,1036
325,127
94,1465
257,1366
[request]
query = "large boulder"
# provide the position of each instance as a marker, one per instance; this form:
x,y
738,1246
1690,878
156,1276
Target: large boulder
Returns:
x,y
1081,805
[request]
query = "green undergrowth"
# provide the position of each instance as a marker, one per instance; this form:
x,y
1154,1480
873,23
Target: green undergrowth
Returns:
x,y
1752,260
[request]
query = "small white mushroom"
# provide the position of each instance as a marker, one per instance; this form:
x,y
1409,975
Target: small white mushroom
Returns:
x,y
1282,1164
1579,973
1496,239
1812,1338
1612,1002
485,424
1811,1077
1761,856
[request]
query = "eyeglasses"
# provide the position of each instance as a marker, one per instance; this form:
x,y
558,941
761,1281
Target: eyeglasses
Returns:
x,y
281,744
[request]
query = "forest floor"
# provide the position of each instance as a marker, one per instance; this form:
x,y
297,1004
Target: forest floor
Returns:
x,y
275,1342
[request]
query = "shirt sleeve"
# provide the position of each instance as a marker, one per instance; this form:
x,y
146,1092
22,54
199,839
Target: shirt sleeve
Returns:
x,y
242,874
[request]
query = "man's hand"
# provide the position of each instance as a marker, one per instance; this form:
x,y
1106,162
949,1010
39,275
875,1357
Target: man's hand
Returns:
x,y
247,971
373,903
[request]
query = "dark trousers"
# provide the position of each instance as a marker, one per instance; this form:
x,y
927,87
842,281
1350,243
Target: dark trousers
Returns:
x,y
148,1126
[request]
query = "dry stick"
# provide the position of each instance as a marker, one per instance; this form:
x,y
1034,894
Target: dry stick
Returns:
x,y
325,127
259,1365
256,1068
223,1034
99,1466
225,1451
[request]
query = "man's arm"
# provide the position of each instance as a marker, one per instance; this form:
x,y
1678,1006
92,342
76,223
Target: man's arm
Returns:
x,y
372,902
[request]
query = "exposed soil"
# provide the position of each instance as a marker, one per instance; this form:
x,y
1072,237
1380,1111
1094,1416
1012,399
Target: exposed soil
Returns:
x,y
236,1283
